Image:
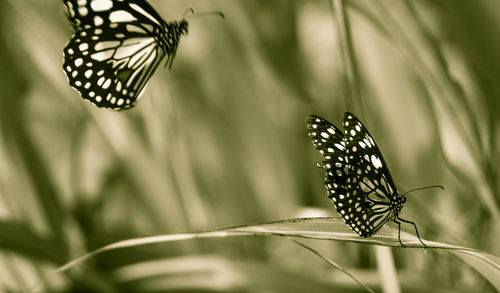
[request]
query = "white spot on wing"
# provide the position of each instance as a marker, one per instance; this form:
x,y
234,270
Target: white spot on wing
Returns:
x,y
98,21
121,16
83,46
339,146
78,62
101,5
106,84
101,80
376,162
83,11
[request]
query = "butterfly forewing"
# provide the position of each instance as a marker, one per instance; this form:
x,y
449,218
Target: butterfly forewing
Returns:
x,y
327,139
116,47
84,14
369,176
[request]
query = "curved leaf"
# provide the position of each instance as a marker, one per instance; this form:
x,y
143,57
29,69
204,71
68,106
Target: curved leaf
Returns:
x,y
316,228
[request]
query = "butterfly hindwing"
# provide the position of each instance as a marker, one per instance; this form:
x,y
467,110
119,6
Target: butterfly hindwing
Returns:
x,y
116,48
109,71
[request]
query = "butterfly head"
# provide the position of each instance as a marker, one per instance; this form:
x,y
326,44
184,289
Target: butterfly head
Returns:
x,y
401,201
183,27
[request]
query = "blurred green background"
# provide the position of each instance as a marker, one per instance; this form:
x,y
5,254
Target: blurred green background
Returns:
x,y
220,140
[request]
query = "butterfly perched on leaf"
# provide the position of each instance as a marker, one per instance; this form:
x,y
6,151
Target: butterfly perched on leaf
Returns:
x,y
116,47
357,179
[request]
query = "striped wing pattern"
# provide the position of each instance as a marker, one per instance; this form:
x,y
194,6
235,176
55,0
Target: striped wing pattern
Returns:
x,y
116,47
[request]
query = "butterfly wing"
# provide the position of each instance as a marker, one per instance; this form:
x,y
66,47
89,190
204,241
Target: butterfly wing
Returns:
x,y
369,179
84,14
327,139
114,51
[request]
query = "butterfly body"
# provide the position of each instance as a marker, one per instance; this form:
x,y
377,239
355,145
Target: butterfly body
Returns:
x,y
116,47
357,179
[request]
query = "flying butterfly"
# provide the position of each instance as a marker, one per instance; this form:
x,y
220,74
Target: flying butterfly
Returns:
x,y
357,179
116,47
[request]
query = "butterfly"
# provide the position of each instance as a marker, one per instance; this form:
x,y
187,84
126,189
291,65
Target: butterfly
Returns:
x,y
116,47
357,179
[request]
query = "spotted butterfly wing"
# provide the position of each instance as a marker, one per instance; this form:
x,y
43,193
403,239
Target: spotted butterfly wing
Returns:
x,y
116,47
331,143
327,139
357,178
368,179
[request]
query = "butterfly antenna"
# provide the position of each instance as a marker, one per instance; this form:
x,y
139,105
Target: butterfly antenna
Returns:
x,y
421,188
205,13
186,12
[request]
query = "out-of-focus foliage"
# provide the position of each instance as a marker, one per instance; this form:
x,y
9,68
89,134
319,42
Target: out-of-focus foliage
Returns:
x,y
220,140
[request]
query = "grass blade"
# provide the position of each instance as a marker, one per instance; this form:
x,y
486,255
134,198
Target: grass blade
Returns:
x,y
314,228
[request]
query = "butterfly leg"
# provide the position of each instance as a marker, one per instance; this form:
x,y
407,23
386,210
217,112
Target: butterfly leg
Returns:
x,y
416,230
399,232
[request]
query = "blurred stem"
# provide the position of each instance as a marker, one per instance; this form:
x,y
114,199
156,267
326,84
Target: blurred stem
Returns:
x,y
428,77
386,269
353,99
76,142
19,140
333,264
448,92
484,153
152,186
458,92
14,272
